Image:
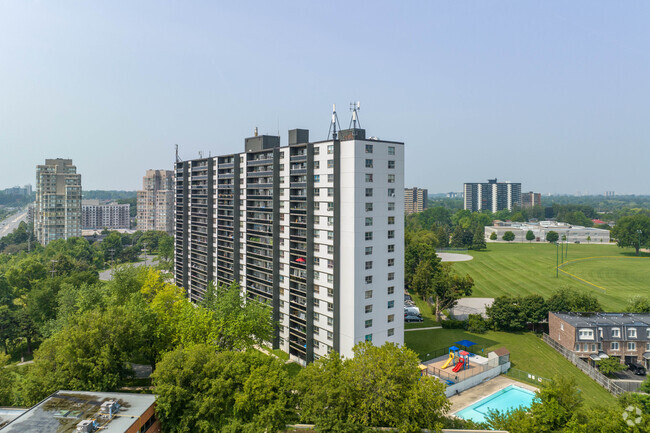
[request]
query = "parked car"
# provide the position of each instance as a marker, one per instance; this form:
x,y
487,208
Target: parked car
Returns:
x,y
412,310
637,369
413,318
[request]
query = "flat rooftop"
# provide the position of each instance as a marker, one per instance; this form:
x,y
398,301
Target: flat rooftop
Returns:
x,y
605,319
63,410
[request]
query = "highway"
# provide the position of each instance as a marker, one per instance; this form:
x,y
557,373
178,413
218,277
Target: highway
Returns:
x,y
11,223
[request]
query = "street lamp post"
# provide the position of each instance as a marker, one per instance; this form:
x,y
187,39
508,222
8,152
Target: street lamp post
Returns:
x,y
557,260
567,245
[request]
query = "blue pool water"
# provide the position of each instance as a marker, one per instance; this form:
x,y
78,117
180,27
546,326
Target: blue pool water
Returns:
x,y
508,398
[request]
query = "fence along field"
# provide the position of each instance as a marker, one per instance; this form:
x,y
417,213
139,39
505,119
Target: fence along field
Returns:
x,y
612,274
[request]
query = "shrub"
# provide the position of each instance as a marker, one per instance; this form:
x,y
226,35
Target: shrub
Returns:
x,y
454,324
476,323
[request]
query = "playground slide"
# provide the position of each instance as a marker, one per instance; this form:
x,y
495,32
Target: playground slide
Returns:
x,y
451,358
459,365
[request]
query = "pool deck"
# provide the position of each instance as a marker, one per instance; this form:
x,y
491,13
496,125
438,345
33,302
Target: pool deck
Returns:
x,y
472,395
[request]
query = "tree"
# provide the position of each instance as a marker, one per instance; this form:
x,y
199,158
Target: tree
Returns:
x,y
200,390
588,238
457,237
506,314
632,231
552,236
478,242
534,308
638,304
448,288
567,299
530,236
420,247
493,236
380,386
508,236
611,365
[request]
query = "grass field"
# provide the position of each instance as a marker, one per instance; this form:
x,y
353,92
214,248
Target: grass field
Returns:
x,y
527,352
613,274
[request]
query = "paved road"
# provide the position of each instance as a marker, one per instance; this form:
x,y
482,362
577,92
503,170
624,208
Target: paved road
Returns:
x,y
107,275
11,223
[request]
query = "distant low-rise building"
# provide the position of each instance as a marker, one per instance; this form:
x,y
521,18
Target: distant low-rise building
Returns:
x,y
415,199
96,215
88,412
574,234
594,336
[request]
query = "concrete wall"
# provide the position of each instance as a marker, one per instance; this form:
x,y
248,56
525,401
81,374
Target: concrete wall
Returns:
x,y
476,380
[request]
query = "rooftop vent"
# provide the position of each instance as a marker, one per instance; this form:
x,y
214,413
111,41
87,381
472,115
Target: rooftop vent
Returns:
x,y
109,408
87,426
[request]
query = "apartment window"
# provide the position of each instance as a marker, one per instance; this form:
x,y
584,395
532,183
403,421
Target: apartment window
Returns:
x,y
316,303
600,332
391,164
616,332
391,205
368,337
330,206
586,334
330,264
316,150
330,221
391,220
316,234
330,249
577,347
316,219
330,192
316,275
330,278
391,290
330,235
368,192
330,149
391,304
369,265
368,294
368,207
316,178
368,236
316,165
369,323
330,178
391,178
391,150
631,333
316,261
614,345
368,251
316,192
368,177
368,163
391,318
391,262
330,335
631,345
391,248
391,276
368,279
369,308
330,292
391,192
647,347
368,221
316,205
368,148
391,332
330,163
330,307
391,234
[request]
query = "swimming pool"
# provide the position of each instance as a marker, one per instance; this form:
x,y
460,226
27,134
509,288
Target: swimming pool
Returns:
x,y
508,398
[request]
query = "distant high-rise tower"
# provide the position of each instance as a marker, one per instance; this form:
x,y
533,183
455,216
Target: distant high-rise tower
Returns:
x,y
415,200
493,196
156,201
531,199
57,210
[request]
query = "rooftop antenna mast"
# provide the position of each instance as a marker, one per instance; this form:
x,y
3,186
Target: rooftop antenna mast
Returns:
x,y
333,124
177,158
355,107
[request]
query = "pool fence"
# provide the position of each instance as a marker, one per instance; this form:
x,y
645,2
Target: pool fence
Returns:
x,y
524,376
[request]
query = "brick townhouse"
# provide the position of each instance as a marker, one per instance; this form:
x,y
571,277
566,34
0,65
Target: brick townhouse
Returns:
x,y
593,335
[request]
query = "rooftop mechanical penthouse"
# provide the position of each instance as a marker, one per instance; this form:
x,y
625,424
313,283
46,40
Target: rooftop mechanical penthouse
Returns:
x,y
315,229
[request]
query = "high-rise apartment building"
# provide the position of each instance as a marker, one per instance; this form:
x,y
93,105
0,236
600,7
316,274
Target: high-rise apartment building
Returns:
x,y
415,199
531,199
314,229
105,216
493,195
57,209
156,202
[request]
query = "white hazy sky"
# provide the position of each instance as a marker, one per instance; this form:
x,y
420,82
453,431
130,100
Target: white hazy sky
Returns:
x,y
553,94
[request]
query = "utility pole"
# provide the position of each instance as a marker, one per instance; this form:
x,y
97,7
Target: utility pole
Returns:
x,y
557,261
567,245
639,233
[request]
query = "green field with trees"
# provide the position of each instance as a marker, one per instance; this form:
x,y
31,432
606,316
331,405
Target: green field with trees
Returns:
x,y
525,269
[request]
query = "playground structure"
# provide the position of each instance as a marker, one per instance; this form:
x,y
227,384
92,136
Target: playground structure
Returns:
x,y
469,369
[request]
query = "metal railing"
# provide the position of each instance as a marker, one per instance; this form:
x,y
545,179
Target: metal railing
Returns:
x,y
592,372
524,376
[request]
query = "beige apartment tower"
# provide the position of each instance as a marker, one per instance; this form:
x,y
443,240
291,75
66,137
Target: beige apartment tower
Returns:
x,y
415,200
57,209
156,201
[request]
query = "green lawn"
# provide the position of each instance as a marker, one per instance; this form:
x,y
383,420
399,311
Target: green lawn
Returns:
x,y
523,269
527,352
